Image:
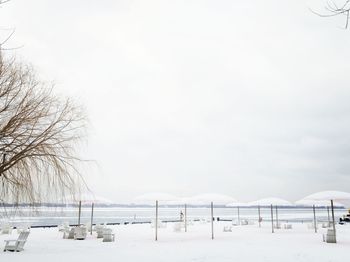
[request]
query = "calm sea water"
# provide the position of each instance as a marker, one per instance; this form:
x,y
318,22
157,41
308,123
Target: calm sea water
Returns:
x,y
58,215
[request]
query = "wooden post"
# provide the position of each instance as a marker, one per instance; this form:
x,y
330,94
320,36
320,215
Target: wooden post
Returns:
x,y
79,213
259,216
335,235
185,217
239,218
92,217
315,223
212,220
156,224
276,216
273,231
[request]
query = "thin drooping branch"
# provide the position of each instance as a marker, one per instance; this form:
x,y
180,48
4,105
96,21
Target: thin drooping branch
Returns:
x,y
334,9
39,137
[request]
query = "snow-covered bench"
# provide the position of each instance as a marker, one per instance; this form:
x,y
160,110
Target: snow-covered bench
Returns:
x,y
277,226
16,245
178,226
330,236
244,222
6,229
287,226
99,230
23,228
227,228
108,235
80,233
251,222
63,227
68,233
234,222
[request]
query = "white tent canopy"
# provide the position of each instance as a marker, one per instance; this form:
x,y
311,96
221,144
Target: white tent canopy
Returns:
x,y
88,198
329,195
218,199
271,201
237,204
181,201
317,203
150,198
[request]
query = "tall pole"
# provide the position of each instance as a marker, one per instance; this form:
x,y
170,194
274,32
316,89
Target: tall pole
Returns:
x,y
156,220
79,213
276,216
92,217
185,217
239,218
329,219
315,223
332,207
273,231
259,216
212,220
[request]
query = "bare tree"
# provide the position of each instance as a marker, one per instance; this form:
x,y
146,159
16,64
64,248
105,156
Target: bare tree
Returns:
x,y
3,41
334,8
39,135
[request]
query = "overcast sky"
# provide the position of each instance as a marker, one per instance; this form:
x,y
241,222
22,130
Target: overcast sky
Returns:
x,y
245,98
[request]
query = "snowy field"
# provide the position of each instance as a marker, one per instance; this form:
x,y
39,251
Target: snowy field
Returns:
x,y
136,243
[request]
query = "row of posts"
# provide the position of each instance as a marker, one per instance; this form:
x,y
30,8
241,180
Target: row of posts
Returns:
x,y
212,217
238,214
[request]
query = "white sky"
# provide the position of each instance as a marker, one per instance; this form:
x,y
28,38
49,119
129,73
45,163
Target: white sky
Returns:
x,y
246,98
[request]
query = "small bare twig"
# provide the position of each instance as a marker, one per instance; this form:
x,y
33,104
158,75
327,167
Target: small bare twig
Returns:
x,y
8,37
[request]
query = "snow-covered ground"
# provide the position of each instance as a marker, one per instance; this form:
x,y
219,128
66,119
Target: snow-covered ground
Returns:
x,y
136,243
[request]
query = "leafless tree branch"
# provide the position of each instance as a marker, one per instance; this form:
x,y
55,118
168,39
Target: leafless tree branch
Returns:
x,y
39,135
333,9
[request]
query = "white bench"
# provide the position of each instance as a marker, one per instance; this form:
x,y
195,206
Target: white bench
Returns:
x,y
287,226
23,228
108,235
6,229
80,233
251,222
277,226
99,230
227,228
68,233
18,243
179,226
63,227
244,222
234,223
330,236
